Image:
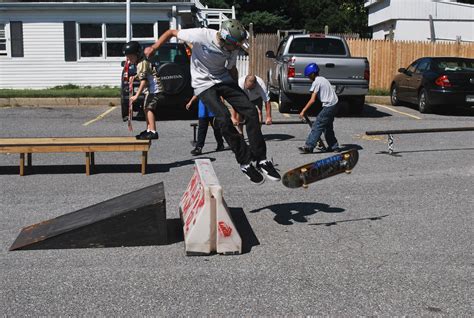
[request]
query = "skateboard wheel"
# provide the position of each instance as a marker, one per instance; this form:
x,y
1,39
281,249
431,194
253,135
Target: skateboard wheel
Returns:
x,y
348,171
347,156
305,186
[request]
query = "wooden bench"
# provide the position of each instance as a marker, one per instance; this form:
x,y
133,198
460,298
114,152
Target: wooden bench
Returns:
x,y
87,145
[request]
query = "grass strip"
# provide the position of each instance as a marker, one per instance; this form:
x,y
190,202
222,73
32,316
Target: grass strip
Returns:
x,y
66,91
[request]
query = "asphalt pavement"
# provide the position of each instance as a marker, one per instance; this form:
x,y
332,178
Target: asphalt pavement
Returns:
x,y
394,238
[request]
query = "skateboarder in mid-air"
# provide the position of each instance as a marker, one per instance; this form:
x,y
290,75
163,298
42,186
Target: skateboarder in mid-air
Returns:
x,y
321,89
214,75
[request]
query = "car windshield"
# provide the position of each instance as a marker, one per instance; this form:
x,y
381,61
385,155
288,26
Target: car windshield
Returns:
x,y
169,54
165,54
317,46
458,65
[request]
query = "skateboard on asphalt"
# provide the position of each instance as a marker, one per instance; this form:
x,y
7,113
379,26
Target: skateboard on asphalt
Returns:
x,y
321,169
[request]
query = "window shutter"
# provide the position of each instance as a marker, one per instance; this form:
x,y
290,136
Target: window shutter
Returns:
x,y
16,35
70,51
163,26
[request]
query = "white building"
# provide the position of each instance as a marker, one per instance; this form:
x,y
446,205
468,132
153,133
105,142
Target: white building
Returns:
x,y
410,19
45,44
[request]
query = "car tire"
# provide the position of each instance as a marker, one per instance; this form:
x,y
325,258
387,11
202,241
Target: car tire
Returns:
x,y
394,96
424,105
284,103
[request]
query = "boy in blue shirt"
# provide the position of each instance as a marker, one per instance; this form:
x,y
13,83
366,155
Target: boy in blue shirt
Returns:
x,y
206,117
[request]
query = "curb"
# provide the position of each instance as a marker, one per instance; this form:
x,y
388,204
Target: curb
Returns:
x,y
60,102
384,100
107,101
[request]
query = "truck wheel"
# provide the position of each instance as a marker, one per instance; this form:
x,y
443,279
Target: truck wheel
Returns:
x,y
357,105
284,103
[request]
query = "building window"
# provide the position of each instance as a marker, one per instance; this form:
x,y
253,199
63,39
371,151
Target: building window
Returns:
x,y
3,40
106,40
115,35
90,40
142,30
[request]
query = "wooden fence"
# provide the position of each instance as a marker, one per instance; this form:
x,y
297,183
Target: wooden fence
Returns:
x,y
385,57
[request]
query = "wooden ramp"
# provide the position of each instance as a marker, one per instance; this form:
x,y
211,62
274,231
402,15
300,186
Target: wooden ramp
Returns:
x,y
133,219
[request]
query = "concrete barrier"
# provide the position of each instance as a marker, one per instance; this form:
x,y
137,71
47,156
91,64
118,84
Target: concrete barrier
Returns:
x,y
207,224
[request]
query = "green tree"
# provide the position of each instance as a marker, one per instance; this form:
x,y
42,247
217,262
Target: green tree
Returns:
x,y
264,21
221,4
342,16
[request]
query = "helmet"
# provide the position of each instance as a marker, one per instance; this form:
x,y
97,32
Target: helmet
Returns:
x,y
132,47
233,32
311,68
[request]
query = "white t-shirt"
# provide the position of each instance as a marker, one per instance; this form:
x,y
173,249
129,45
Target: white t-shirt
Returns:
x,y
209,62
326,93
260,89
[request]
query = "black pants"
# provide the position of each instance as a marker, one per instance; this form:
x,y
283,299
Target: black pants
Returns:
x,y
232,93
202,132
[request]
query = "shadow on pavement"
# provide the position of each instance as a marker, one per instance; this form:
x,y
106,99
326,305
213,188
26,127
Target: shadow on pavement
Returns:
x,y
136,236
98,168
372,112
374,218
249,239
277,137
288,213
449,110
174,229
345,147
397,153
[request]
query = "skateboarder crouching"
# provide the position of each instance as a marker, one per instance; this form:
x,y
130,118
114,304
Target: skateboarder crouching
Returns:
x,y
214,75
256,90
321,89
149,84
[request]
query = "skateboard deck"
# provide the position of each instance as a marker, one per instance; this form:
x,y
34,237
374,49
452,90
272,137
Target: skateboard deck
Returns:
x,y
321,169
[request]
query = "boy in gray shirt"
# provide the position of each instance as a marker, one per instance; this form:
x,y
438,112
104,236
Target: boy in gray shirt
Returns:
x,y
321,89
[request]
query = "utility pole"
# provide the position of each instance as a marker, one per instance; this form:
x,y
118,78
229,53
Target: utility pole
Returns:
x,y
128,26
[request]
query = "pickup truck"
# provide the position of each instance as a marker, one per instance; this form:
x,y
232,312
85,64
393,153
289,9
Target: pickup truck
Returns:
x,y
349,76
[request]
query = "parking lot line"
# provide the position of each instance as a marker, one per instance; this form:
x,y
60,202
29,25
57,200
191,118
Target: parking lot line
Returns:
x,y
100,116
397,111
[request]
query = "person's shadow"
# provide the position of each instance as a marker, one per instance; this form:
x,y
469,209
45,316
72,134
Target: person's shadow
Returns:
x,y
288,213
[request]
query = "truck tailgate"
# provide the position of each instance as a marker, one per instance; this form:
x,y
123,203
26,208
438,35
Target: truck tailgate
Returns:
x,y
337,70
